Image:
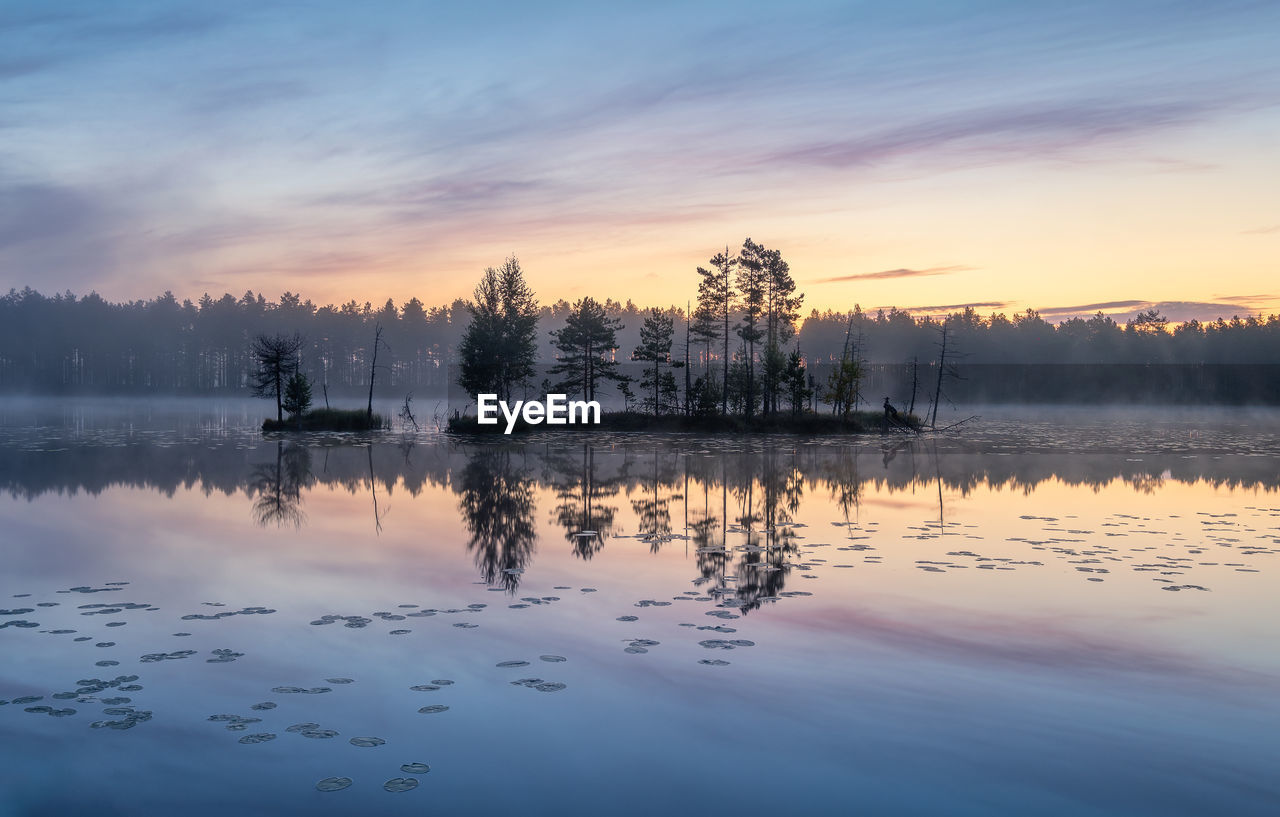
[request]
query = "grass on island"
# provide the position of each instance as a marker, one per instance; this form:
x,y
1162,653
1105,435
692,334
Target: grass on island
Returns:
x,y
328,419
858,422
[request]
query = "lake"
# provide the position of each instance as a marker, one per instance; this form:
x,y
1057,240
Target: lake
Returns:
x,y
1044,611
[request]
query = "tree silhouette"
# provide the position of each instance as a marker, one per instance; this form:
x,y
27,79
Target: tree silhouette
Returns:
x,y
715,305
655,348
497,505
586,346
277,360
278,486
499,348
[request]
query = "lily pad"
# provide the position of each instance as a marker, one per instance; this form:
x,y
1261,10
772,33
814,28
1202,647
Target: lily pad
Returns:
x,y
333,784
399,784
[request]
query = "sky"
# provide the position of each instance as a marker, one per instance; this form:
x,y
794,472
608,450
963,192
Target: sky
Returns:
x,y
1067,157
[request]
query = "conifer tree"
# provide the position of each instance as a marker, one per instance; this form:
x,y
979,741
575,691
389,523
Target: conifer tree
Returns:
x,y
655,348
585,348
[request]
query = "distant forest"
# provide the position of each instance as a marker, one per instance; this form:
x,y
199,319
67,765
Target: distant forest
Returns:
x,y
64,343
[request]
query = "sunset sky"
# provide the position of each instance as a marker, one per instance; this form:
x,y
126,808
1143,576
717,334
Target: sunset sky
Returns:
x,y
1061,156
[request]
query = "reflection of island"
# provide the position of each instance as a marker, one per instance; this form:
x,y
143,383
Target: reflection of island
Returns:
x,y
277,487
222,464
737,507
497,506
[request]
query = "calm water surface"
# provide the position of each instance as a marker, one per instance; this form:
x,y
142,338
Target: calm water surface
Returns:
x,y
1049,613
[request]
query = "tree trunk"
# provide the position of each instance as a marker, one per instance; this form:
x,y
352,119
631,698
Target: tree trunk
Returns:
x,y
373,366
942,362
915,382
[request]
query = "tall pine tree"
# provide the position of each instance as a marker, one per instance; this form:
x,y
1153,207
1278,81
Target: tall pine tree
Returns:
x,y
655,348
585,348
715,305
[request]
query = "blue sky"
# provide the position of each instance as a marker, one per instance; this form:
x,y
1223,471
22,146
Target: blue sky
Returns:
x,y
1038,154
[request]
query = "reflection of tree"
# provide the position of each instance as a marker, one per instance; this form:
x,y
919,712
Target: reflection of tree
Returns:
x,y
497,505
652,509
844,483
580,491
769,500
278,486
705,524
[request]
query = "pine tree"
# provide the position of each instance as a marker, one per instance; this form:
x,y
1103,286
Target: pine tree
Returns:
x,y
277,360
499,348
655,347
795,380
782,306
715,305
297,395
585,349
752,292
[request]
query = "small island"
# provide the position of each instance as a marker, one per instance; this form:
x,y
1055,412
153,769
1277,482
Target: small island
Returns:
x,y
279,375
328,419
740,361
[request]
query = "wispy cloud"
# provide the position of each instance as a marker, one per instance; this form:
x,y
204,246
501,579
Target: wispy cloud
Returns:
x,y
1248,299
940,308
894,273
1002,132
1081,309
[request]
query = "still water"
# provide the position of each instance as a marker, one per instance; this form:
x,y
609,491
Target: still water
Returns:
x,y
1041,613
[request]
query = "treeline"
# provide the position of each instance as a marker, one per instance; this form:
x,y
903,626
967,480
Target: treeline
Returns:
x,y
62,343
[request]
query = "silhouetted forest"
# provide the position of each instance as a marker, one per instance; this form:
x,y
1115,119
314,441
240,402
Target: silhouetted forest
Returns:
x,y
64,343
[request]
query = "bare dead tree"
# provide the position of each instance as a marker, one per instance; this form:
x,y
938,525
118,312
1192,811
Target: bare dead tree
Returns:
x,y
942,364
946,368
373,364
406,414
915,384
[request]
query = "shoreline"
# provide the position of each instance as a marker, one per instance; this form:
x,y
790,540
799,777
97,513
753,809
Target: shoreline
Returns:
x,y
860,422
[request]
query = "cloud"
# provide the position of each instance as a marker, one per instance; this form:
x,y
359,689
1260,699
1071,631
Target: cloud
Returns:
x,y
56,235
1274,228
1089,309
1248,299
951,307
1003,131
894,273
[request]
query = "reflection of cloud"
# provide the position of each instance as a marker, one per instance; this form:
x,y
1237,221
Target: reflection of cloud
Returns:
x,y
894,273
1028,644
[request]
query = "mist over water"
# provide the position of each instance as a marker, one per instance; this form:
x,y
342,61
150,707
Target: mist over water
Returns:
x,y
1059,611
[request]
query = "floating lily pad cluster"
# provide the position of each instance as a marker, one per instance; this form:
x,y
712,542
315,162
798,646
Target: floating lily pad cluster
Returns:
x,y
246,611
540,685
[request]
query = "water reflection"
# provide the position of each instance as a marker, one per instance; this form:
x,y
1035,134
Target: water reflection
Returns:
x,y
584,492
497,505
803,586
277,487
